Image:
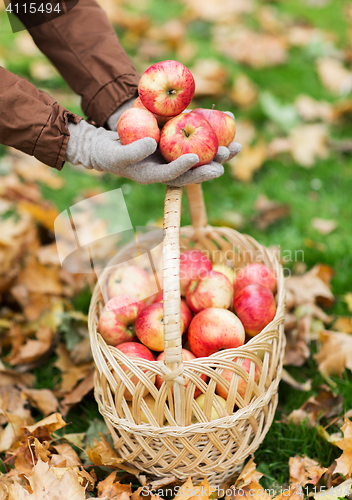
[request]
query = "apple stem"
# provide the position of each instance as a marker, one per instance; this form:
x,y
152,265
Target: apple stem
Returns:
x,y
213,106
171,92
183,130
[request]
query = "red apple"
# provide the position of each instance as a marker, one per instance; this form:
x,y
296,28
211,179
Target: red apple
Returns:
x,y
136,124
188,133
134,350
186,313
116,324
129,280
255,273
242,385
255,306
193,264
160,119
213,329
224,126
186,356
211,290
166,88
150,326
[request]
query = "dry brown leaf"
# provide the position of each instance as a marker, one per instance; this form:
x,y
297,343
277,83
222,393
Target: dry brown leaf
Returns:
x,y
252,491
245,132
103,454
269,211
304,470
344,463
308,288
40,279
335,353
11,401
33,350
44,484
65,457
244,92
81,390
324,226
71,373
325,404
343,324
249,161
13,377
258,50
43,399
111,489
209,76
297,351
48,425
41,450
249,473
310,109
334,76
308,143
11,432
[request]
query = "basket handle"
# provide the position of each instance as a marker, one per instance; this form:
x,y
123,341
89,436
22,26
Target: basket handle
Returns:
x,y
196,205
173,363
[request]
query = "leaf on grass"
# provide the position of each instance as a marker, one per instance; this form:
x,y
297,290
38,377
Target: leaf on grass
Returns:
x,y
252,491
269,211
309,288
65,457
309,143
103,454
45,485
112,489
13,377
249,161
11,432
335,353
33,350
209,76
43,399
325,405
292,382
324,226
335,493
46,426
257,50
81,390
213,10
344,463
334,76
244,92
343,324
297,351
310,109
249,473
71,373
304,470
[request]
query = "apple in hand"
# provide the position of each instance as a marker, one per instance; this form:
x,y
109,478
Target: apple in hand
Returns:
x,y
186,313
166,88
214,329
134,350
193,264
116,324
255,306
255,273
129,280
214,413
160,119
241,385
224,126
186,356
211,290
150,326
136,124
188,133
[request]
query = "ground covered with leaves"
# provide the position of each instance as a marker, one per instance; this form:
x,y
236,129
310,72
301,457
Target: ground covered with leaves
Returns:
x,y
284,69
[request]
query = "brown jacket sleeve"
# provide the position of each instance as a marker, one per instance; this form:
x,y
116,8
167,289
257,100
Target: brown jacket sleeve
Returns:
x,y
85,49
32,121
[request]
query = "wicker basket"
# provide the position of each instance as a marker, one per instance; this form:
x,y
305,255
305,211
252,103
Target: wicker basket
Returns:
x,y
180,440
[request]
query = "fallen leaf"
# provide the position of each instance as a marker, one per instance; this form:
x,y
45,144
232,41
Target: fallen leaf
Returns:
x,y
209,76
111,489
343,324
335,493
304,470
292,382
71,373
45,485
309,143
13,377
257,50
249,473
325,405
324,226
103,454
33,350
244,92
269,212
43,399
212,10
335,353
81,390
47,425
11,432
252,491
249,161
310,109
334,76
344,463
65,457
308,289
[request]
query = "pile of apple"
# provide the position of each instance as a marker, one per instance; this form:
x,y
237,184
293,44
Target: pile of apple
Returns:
x,y
220,309
165,90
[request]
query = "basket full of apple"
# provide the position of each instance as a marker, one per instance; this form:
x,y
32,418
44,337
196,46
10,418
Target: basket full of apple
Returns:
x,y
188,337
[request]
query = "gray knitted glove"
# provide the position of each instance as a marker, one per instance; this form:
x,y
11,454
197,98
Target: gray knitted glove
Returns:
x,y
100,149
114,118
